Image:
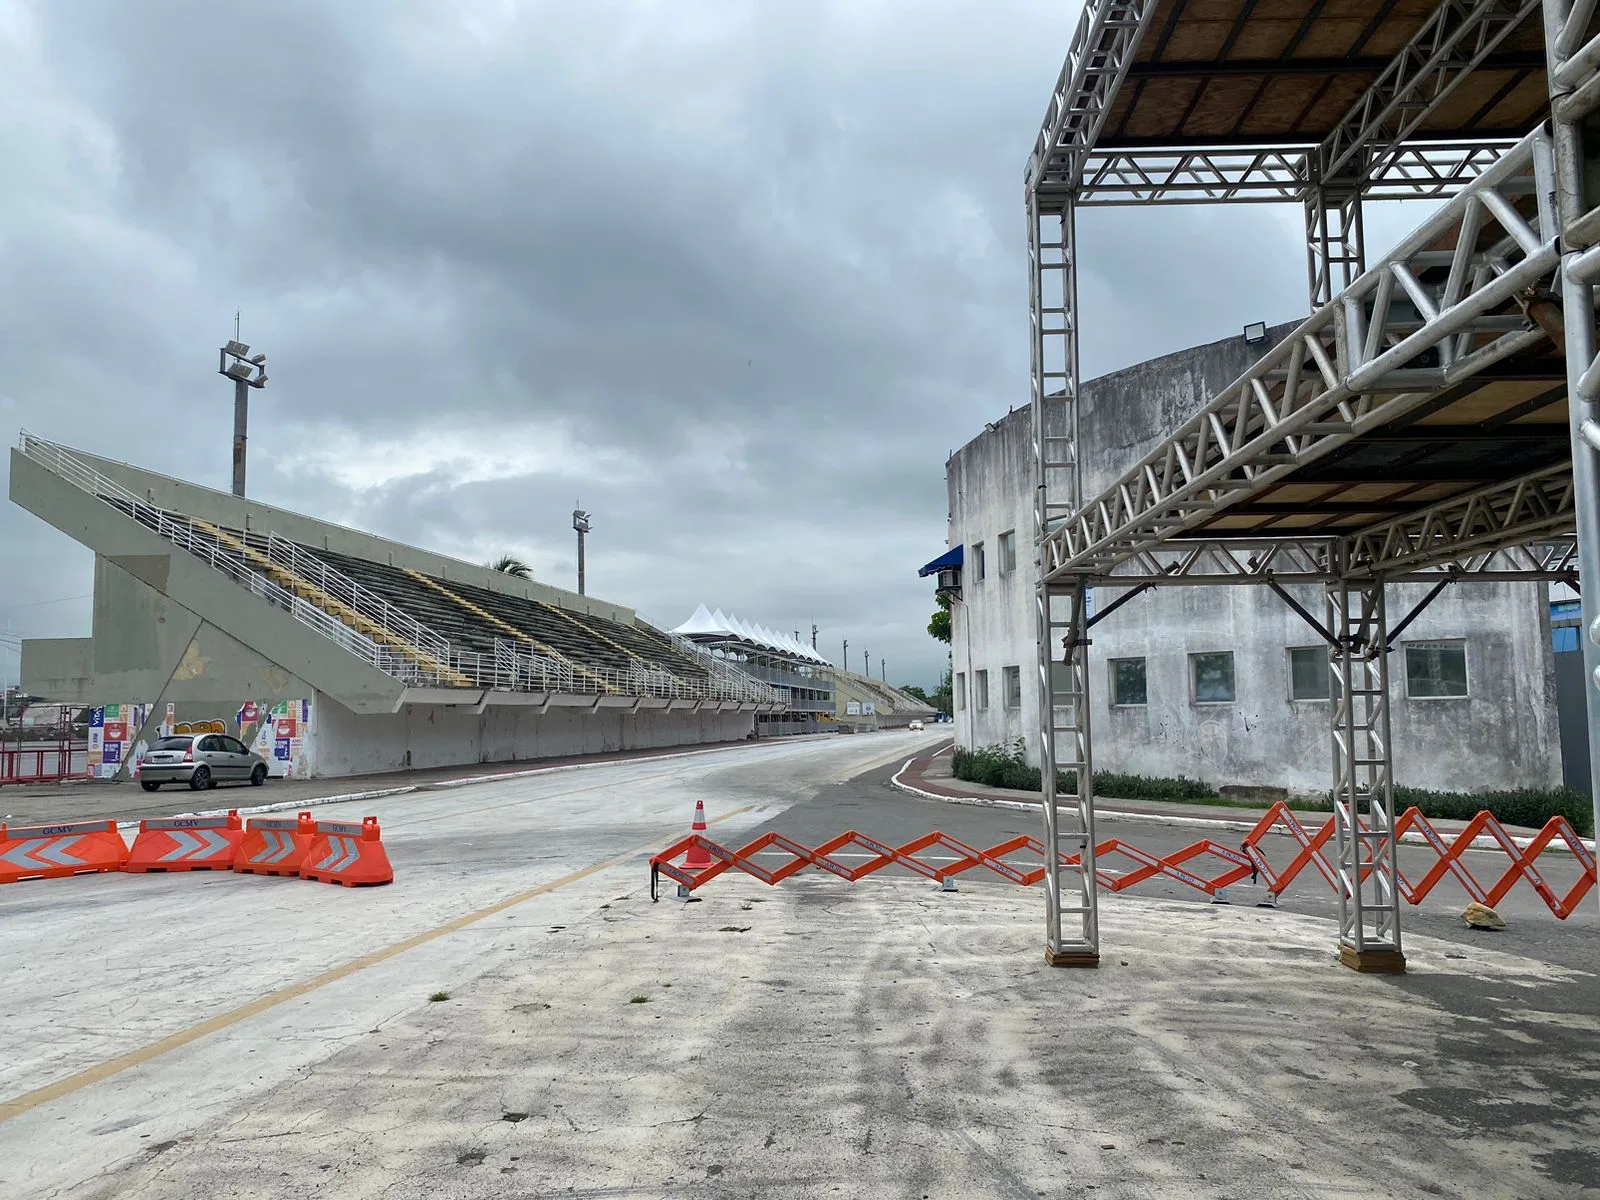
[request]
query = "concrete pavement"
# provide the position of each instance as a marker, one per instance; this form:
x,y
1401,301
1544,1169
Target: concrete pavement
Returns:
x,y
814,1038
885,1041
140,1006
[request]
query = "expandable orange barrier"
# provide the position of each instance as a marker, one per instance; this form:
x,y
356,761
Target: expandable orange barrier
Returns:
x,y
56,851
275,845
1183,865
186,844
347,853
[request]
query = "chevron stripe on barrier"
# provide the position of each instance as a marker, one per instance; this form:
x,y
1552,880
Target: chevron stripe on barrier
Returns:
x,y
1183,865
186,844
348,853
275,845
56,851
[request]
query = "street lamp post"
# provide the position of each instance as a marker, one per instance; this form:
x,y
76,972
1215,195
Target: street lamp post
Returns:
x,y
246,373
580,522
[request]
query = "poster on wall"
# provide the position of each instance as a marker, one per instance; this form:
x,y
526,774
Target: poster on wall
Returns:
x,y
282,737
869,709
852,708
112,729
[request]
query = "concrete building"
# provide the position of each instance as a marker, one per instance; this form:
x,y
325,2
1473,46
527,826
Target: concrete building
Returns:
x,y
334,652
1230,685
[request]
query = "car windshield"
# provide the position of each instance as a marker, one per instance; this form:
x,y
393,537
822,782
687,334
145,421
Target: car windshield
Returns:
x,y
174,743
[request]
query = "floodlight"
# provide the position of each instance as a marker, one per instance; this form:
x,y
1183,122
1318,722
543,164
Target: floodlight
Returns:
x,y
1255,333
260,381
239,370
237,349
260,360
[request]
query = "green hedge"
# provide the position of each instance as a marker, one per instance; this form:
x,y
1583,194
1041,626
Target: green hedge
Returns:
x,y
1005,766
1529,807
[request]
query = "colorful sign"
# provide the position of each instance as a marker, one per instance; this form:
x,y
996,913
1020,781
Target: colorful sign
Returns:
x,y
112,729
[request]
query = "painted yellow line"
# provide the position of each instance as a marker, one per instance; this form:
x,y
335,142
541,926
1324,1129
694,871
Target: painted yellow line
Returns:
x,y
115,1066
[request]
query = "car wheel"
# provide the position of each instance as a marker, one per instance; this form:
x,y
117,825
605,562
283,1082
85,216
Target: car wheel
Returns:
x,y
201,779
259,775
148,786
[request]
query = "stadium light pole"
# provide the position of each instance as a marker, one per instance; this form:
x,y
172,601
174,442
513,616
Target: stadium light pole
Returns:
x,y
580,522
847,656
246,372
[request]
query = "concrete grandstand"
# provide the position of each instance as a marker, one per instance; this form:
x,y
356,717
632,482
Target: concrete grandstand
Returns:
x,y
336,652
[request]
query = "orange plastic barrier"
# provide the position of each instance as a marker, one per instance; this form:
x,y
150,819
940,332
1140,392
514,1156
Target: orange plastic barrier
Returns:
x,y
1183,865
56,851
275,845
186,844
347,853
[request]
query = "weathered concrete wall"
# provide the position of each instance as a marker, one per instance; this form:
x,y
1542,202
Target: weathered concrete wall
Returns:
x,y
1504,734
417,736
149,598
224,508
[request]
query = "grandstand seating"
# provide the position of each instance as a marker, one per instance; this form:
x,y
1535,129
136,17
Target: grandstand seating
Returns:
x,y
436,626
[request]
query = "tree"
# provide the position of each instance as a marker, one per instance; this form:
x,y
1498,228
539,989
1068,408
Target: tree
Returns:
x,y
941,699
939,623
508,564
914,691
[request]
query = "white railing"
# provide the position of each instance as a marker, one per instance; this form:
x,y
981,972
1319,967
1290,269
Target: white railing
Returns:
x,y
739,682
359,599
507,668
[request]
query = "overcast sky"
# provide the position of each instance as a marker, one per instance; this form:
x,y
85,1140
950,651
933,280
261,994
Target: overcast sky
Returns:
x,y
735,274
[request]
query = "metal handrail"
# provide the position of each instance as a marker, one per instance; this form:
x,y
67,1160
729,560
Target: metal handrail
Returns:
x,y
358,598
507,668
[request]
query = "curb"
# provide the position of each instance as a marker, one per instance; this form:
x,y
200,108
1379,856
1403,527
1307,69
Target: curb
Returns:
x,y
1482,842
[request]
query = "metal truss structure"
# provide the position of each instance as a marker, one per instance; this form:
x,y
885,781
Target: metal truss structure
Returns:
x,y
1475,287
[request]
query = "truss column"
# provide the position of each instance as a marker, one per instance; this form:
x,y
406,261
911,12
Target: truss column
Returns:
x,y
1335,246
1061,608
1072,912
1369,900
1574,211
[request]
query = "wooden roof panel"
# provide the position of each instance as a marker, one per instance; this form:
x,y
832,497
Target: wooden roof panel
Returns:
x,y
1322,58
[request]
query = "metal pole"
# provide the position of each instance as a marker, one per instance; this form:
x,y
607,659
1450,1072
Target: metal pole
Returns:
x,y
241,408
580,562
1577,304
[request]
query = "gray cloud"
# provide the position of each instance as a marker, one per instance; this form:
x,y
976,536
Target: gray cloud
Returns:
x,y
736,277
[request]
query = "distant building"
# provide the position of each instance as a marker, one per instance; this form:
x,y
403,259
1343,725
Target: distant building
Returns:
x,y
1229,684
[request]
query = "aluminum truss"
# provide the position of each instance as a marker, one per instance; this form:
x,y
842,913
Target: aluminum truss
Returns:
x,y
1369,901
1274,175
1574,71
1451,44
1438,310
1102,49
1352,366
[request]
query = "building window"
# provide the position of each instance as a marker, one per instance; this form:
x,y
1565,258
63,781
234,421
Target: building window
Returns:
x,y
1011,677
978,571
1310,674
1211,677
980,690
961,691
1008,552
1436,670
1127,682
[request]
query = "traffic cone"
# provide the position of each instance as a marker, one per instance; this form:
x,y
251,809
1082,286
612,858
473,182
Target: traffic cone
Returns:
x,y
698,859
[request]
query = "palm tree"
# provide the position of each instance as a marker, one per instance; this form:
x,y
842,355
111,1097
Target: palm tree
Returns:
x,y
508,564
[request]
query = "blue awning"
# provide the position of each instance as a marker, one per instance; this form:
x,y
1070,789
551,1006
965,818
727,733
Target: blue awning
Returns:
x,y
950,558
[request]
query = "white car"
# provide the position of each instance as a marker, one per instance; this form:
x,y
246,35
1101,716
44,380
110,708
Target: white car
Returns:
x,y
915,727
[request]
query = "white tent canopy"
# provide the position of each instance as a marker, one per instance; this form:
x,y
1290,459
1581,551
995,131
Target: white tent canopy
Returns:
x,y
719,627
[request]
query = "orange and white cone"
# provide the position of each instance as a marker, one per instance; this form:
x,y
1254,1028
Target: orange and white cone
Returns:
x,y
698,859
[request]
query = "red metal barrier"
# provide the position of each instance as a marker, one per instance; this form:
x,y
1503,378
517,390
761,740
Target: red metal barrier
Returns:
x,y
1248,862
50,763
